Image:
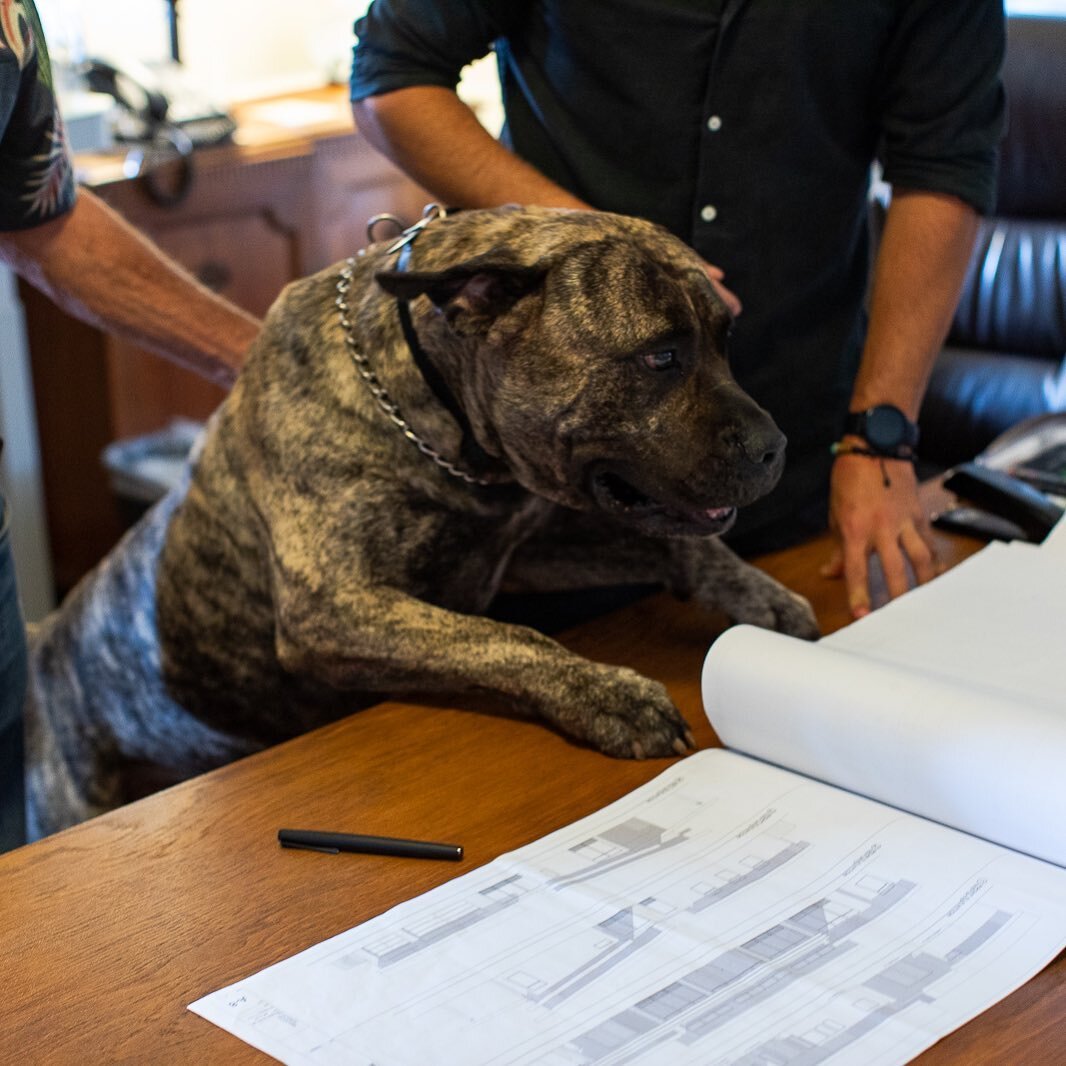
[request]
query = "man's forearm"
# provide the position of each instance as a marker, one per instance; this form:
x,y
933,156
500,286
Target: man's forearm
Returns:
x,y
97,267
435,138
874,507
921,263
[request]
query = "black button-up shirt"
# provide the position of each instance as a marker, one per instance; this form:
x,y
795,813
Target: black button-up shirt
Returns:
x,y
747,128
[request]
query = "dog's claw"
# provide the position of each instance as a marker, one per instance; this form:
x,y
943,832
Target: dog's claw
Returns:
x,y
638,750
680,747
690,740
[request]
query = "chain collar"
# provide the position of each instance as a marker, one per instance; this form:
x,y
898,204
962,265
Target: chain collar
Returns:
x,y
366,372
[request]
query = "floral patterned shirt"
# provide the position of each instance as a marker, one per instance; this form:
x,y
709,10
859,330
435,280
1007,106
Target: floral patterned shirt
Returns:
x,y
36,177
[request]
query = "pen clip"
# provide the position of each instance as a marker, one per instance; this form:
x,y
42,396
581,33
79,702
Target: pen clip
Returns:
x,y
310,847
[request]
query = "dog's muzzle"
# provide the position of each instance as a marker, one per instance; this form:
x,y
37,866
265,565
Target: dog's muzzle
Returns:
x,y
703,500
614,494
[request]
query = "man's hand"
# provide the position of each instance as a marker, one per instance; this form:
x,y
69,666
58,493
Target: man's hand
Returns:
x,y
925,248
869,517
729,298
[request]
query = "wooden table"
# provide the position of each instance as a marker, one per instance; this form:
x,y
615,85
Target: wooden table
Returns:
x,y
110,929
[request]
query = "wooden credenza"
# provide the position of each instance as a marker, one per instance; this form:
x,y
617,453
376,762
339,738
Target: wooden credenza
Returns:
x,y
285,199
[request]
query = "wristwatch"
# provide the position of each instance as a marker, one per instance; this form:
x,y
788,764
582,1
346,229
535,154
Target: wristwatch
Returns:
x,y
886,430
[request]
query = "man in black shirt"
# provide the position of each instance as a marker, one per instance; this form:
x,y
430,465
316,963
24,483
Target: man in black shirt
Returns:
x,y
747,128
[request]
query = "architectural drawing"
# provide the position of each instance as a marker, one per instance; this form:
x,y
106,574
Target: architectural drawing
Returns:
x,y
726,913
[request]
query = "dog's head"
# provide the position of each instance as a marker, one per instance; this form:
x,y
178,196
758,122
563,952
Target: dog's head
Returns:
x,y
589,353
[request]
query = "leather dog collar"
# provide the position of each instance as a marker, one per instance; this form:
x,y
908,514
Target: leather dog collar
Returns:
x,y
471,451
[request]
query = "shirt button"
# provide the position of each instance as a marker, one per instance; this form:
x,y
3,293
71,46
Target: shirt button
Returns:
x,y
714,123
709,213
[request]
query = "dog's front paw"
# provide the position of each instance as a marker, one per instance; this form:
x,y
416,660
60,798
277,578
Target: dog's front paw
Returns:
x,y
621,713
760,600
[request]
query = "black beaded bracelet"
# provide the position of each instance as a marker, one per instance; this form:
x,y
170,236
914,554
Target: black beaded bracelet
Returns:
x,y
842,447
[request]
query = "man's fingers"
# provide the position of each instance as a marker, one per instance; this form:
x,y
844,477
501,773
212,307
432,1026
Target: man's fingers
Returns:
x,y
894,567
906,561
729,298
921,553
856,577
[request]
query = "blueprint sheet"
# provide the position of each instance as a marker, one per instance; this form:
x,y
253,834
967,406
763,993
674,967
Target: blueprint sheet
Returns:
x,y
726,912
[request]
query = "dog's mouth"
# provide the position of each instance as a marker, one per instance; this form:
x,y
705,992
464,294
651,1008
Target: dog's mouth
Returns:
x,y
619,497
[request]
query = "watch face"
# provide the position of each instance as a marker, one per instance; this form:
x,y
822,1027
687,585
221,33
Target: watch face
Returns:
x,y
886,427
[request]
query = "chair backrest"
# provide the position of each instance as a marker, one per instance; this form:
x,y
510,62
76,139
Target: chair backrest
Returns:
x,y
1004,359
1014,298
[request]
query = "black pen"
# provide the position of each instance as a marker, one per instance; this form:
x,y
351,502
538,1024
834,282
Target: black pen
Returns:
x,y
313,840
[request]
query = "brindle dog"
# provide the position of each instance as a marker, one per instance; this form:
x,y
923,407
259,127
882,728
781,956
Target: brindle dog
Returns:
x,y
349,514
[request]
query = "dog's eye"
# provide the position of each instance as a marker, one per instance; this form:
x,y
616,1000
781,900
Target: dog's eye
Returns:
x,y
662,360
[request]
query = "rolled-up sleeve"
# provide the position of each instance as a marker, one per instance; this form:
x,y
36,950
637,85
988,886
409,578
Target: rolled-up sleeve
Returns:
x,y
943,101
400,43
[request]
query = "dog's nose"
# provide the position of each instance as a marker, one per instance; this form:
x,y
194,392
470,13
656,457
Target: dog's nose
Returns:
x,y
762,446
748,436
766,448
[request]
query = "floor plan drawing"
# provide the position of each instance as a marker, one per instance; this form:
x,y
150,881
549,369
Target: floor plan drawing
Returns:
x,y
618,846
726,913
408,940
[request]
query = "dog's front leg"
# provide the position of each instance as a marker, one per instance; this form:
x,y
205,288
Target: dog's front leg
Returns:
x,y
383,640
585,551
714,575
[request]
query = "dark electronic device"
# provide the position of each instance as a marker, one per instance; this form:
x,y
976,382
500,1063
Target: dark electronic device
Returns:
x,y
977,523
159,130
1005,496
1046,470
147,109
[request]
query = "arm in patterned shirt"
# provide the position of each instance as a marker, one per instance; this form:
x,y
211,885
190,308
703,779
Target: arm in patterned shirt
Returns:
x,y
77,250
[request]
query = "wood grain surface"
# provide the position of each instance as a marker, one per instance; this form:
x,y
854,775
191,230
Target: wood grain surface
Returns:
x,y
111,929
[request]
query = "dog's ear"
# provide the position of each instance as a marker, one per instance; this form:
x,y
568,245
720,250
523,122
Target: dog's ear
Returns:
x,y
471,295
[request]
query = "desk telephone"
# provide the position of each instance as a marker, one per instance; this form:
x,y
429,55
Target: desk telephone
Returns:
x,y
1016,486
1005,500
145,108
157,127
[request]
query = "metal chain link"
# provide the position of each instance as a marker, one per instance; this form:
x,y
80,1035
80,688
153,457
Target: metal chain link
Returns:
x,y
377,390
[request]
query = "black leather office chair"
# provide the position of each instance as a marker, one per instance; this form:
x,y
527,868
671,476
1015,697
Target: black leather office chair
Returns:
x,y
1006,355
